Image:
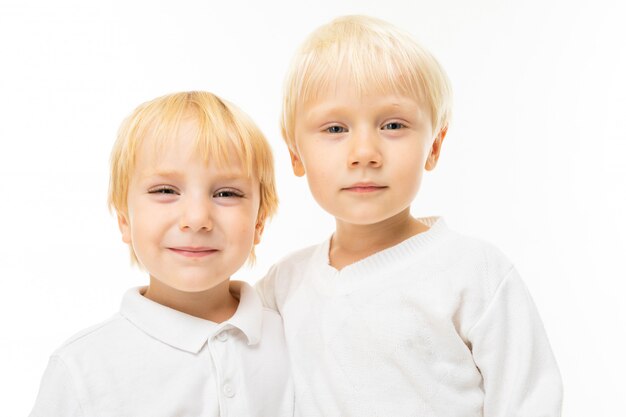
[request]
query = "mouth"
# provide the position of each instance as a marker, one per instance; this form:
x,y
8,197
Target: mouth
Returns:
x,y
364,187
193,251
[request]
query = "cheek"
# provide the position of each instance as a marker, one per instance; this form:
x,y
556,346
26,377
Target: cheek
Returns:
x,y
147,222
409,171
411,157
239,225
318,179
140,232
323,184
321,170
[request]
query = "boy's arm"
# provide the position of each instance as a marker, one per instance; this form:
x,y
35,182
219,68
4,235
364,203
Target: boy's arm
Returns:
x,y
57,395
511,350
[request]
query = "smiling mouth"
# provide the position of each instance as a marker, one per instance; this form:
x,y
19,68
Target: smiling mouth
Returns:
x,y
191,252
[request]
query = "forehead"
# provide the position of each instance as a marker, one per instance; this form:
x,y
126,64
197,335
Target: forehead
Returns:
x,y
180,148
343,94
348,81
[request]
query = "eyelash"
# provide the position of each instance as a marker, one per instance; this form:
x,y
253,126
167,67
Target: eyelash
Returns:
x,y
162,190
230,193
165,190
398,125
328,129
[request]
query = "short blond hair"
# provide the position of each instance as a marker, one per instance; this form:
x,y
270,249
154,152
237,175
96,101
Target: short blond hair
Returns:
x,y
221,128
377,56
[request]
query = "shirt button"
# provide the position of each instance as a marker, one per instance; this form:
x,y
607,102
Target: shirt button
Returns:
x,y
229,391
222,336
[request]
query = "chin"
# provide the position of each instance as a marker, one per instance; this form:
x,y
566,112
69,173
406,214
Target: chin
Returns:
x,y
363,217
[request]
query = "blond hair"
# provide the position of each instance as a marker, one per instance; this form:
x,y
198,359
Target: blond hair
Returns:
x,y
377,57
221,128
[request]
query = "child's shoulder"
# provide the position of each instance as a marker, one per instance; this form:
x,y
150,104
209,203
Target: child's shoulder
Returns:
x,y
446,248
472,262
287,273
475,251
303,254
93,337
301,257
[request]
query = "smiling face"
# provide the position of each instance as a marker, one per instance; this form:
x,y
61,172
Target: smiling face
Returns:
x,y
191,224
364,155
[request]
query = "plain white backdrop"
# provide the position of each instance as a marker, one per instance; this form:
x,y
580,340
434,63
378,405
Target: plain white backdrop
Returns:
x,y
534,161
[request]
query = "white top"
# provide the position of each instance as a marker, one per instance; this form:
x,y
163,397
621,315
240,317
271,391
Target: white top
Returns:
x,y
438,325
150,360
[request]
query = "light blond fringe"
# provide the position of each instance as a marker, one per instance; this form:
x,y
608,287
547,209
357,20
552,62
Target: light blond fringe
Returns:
x,y
376,57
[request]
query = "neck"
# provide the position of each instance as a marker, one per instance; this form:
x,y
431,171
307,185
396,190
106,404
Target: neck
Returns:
x,y
216,304
353,242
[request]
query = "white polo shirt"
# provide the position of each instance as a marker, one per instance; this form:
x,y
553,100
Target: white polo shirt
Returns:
x,y
150,360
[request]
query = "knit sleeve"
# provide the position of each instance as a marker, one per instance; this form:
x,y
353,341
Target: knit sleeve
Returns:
x,y
57,395
511,350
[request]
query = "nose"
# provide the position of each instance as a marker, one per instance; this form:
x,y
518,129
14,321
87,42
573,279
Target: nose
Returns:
x,y
364,151
196,214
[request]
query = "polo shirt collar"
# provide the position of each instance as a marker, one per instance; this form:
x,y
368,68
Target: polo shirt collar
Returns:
x,y
249,315
190,333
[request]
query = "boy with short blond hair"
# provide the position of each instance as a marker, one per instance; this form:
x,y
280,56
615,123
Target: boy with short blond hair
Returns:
x,y
192,183
394,315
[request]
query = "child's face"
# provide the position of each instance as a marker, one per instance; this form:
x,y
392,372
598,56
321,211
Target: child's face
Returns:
x,y
364,156
191,224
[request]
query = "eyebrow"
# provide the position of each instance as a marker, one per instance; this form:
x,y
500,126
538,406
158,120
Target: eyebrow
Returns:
x,y
328,110
167,174
338,107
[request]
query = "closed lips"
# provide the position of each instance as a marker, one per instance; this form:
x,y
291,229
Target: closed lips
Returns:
x,y
364,187
193,251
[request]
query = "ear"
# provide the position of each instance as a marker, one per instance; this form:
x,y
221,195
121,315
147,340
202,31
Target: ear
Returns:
x,y
124,225
258,231
296,164
435,149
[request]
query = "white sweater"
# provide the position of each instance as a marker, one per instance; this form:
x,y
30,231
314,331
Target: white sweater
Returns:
x,y
438,325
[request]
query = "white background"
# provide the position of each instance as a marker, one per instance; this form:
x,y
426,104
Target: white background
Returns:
x,y
535,158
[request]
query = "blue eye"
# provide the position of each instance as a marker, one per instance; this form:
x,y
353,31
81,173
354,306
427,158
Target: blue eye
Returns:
x,y
393,126
336,129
